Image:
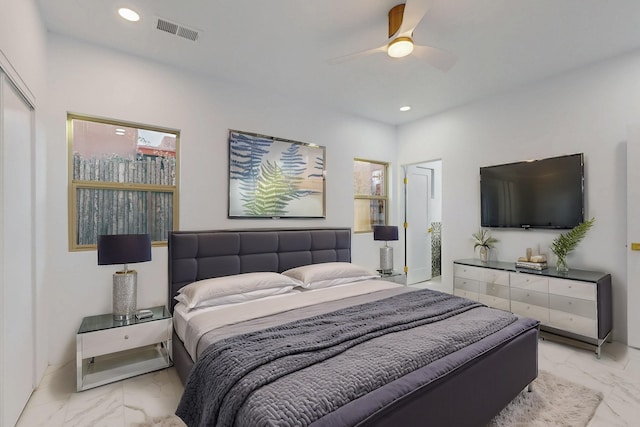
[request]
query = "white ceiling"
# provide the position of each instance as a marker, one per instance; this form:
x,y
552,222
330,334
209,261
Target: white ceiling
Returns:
x,y
283,45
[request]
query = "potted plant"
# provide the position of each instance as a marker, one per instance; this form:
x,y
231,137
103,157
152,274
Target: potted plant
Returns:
x,y
567,242
484,241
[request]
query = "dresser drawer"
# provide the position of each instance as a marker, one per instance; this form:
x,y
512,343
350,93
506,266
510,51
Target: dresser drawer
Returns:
x,y
530,310
573,288
125,338
530,297
480,274
498,277
494,290
581,307
468,272
573,323
466,294
529,281
466,284
495,302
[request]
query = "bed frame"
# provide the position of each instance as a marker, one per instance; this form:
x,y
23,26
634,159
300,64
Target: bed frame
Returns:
x,y
469,396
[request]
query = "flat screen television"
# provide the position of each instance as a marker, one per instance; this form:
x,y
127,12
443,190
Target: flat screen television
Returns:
x,y
546,193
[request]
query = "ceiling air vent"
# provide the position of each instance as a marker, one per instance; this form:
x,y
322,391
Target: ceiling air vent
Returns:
x,y
177,29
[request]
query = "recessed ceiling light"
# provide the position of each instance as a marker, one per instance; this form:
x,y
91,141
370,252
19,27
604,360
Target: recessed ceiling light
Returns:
x,y
405,108
129,14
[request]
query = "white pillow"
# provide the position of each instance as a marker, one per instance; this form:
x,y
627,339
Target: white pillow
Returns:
x,y
235,298
335,282
329,274
197,293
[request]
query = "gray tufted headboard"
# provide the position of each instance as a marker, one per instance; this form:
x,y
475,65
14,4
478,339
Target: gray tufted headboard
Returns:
x,y
198,255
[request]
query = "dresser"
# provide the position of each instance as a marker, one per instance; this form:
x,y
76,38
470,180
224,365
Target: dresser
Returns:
x,y
575,305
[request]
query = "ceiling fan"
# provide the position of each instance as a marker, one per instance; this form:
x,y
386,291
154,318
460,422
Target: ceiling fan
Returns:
x,y
403,19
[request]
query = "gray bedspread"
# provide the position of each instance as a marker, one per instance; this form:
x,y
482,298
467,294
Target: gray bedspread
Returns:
x,y
295,373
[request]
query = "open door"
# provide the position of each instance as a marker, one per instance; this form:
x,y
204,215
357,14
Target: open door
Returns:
x,y
417,188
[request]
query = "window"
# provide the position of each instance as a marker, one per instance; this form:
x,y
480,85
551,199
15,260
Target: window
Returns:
x,y
370,194
123,180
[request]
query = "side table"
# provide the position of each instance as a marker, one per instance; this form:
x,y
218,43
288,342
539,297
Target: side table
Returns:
x,y
108,350
394,276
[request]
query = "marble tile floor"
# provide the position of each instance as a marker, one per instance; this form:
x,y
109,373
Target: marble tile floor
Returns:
x,y
129,402
126,403
434,283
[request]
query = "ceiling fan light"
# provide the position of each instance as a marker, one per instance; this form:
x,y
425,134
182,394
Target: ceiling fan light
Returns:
x,y
400,47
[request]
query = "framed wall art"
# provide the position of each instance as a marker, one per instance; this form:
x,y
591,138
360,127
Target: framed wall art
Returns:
x,y
275,178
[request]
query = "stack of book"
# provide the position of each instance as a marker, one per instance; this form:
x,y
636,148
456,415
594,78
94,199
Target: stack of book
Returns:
x,y
532,262
531,265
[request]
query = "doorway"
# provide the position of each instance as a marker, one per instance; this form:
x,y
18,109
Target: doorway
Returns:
x,y
422,221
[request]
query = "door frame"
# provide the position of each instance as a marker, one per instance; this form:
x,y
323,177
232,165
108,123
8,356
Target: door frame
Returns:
x,y
633,236
435,188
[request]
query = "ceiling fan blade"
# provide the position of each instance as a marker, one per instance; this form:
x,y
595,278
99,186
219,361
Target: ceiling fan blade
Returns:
x,y
414,11
341,59
441,59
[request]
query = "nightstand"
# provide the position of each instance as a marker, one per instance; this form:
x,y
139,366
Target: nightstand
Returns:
x,y
108,350
394,276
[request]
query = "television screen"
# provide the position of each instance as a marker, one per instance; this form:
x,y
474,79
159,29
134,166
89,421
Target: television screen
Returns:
x,y
547,193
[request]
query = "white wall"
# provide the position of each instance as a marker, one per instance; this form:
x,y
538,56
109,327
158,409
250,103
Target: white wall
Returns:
x,y
633,236
90,80
22,48
588,111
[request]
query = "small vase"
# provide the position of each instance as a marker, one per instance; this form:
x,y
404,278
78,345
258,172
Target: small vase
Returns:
x,y
561,264
484,254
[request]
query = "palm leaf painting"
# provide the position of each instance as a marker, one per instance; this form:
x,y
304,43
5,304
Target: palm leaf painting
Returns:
x,y
271,177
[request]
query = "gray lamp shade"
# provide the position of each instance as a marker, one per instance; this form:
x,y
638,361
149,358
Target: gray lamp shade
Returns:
x,y
385,232
123,248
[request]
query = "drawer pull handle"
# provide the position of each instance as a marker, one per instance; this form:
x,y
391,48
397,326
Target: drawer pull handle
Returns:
x,y
126,337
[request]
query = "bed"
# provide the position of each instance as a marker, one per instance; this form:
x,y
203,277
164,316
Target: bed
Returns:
x,y
467,386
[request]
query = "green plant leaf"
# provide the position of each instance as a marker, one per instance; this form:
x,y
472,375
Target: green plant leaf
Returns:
x,y
567,242
273,192
483,239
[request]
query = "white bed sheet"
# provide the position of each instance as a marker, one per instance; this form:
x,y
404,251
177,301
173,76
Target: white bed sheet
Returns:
x,y
181,315
190,326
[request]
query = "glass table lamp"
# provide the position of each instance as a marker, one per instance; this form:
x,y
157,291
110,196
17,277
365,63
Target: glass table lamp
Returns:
x,y
385,233
124,249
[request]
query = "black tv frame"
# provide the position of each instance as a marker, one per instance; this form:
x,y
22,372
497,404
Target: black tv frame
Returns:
x,y
486,224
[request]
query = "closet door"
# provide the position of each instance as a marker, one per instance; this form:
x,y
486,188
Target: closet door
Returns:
x,y
17,345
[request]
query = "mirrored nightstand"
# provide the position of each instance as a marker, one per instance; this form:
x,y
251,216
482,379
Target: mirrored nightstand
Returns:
x,y
394,276
108,350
